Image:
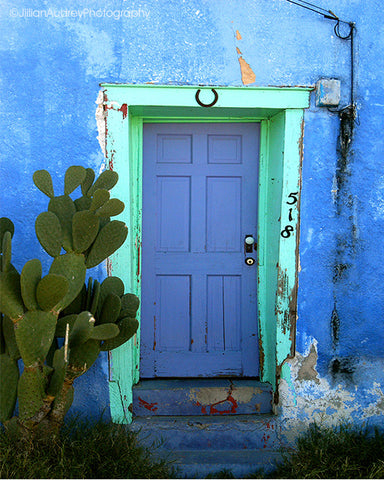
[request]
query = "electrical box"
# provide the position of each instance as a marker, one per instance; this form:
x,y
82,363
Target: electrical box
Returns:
x,y
327,92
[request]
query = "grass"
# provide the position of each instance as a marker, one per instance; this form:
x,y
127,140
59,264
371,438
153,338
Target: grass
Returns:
x,y
84,450
343,452
106,450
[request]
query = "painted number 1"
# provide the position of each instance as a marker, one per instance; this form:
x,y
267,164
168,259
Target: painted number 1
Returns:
x,y
292,199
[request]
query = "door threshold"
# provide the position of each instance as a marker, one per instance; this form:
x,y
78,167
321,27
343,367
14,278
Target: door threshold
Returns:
x,y
201,396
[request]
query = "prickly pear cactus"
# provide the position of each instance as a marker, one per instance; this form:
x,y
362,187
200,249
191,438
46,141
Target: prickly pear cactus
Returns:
x,y
55,323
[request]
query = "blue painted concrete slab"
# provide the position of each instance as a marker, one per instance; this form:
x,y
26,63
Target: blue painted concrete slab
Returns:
x,y
201,397
199,445
236,432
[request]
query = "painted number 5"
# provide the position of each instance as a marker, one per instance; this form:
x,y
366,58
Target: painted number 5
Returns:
x,y
293,197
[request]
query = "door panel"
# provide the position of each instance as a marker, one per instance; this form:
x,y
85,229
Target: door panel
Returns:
x,y
199,308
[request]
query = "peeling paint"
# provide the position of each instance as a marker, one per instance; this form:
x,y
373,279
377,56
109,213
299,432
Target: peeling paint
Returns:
x,y
306,397
377,406
247,74
100,116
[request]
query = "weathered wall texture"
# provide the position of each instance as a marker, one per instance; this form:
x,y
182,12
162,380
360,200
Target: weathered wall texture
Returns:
x,y
53,59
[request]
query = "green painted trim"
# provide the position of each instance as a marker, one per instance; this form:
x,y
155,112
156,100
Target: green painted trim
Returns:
x,y
149,96
117,153
280,167
286,300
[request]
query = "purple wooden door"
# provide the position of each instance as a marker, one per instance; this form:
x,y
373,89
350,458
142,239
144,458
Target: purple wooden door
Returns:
x,y
199,306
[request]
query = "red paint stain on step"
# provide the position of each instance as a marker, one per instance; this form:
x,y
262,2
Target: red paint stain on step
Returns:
x,y
229,403
149,406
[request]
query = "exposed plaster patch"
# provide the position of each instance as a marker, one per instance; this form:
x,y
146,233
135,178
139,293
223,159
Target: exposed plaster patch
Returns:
x,y
100,120
209,396
247,74
307,370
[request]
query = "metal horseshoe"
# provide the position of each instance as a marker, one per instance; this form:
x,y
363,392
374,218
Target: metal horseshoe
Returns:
x,y
206,104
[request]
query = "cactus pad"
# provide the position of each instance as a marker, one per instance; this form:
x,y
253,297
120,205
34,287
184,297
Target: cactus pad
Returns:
x,y
29,279
82,357
128,327
100,197
81,330
7,251
85,227
57,378
74,177
6,225
109,239
111,208
43,181
10,338
77,305
51,290
105,332
88,180
9,374
72,267
64,208
11,303
49,233
31,393
34,335
111,285
129,305
83,203
106,180
95,297
110,309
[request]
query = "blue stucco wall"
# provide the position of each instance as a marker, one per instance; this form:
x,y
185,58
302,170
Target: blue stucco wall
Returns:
x,y
53,59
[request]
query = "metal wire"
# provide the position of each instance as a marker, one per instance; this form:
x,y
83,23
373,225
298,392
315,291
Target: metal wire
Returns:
x,y
315,8
350,36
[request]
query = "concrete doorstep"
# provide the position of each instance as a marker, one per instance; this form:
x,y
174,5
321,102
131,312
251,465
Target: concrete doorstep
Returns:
x,y
205,426
198,445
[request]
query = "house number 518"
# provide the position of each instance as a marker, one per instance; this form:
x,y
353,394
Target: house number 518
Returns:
x,y
292,199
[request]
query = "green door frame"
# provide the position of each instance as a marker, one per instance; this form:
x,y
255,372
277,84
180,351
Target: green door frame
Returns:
x,y
281,114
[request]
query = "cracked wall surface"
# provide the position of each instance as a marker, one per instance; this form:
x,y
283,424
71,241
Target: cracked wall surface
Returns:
x,y
306,397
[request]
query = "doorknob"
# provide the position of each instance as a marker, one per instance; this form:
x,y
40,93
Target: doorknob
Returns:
x,y
249,242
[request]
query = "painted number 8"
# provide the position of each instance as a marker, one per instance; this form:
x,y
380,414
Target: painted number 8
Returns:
x,y
286,233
